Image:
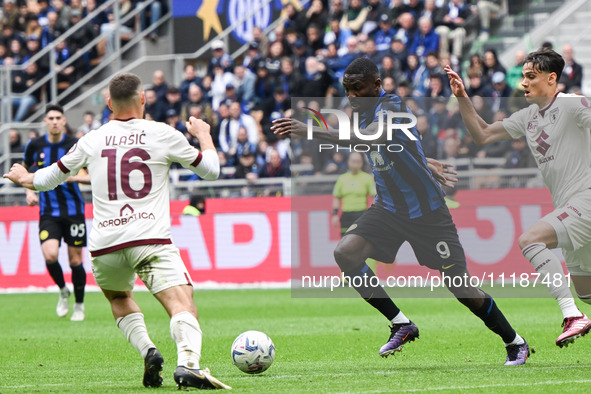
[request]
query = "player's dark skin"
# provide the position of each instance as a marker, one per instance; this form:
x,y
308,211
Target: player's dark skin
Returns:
x,y
352,250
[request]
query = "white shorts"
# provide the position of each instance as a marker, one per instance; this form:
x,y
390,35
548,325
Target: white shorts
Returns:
x,y
572,224
158,266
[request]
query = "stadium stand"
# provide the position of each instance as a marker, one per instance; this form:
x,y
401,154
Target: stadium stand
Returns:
x,y
304,53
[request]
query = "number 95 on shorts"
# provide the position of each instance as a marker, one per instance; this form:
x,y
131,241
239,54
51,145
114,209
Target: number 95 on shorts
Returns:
x,y
71,228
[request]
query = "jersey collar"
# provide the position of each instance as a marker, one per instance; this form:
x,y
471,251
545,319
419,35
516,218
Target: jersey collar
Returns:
x,y
125,120
547,107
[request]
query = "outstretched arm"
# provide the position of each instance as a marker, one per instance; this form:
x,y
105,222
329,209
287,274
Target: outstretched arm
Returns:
x,y
482,132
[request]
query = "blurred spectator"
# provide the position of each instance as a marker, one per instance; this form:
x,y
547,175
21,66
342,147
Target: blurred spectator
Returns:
x,y
514,73
486,10
336,9
501,93
450,148
197,99
150,15
273,109
388,68
430,10
299,55
371,52
398,53
261,39
316,80
355,16
425,39
273,61
436,88
476,64
492,65
275,167
417,75
263,85
350,53
375,10
221,79
406,31
519,156
397,8
33,28
16,145
196,206
107,113
336,35
16,51
159,84
337,164
290,79
174,120
415,7
244,81
478,85
9,14
314,38
253,55
80,37
242,145
21,81
388,84
154,107
428,139
403,89
89,123
229,128
99,19
219,57
173,99
571,79
383,36
114,32
316,14
230,96
189,78
450,28
247,168
63,13
66,74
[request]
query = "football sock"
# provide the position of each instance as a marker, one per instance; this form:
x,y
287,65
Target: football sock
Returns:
x,y
550,270
79,282
134,329
185,331
517,341
400,319
56,273
361,280
494,319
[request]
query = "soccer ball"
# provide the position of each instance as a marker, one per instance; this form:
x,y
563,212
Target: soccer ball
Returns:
x,y
253,352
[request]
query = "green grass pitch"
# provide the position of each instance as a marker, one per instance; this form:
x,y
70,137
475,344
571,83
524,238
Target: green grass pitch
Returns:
x,y
323,345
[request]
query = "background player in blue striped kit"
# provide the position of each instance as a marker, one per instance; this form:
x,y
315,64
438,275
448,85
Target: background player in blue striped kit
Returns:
x,y
409,206
61,211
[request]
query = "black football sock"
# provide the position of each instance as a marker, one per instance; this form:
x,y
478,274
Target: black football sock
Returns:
x,y
56,273
361,280
494,319
79,282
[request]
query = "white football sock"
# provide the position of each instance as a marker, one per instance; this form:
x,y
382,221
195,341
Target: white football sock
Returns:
x,y
185,331
517,341
400,319
550,269
134,329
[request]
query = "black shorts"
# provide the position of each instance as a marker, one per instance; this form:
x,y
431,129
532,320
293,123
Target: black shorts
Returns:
x,y
348,218
71,228
433,237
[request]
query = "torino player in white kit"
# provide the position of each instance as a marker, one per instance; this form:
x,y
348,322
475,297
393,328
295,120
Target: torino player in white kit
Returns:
x,y
556,127
128,161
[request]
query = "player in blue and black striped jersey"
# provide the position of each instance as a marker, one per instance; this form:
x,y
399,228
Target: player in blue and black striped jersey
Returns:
x,y
61,211
409,206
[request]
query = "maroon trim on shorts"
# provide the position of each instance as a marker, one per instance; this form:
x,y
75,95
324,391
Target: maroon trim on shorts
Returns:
x,y
139,242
